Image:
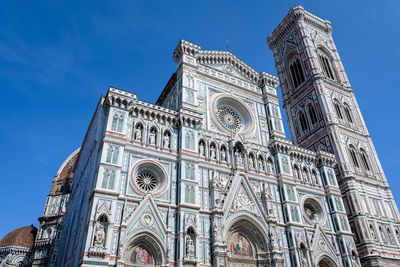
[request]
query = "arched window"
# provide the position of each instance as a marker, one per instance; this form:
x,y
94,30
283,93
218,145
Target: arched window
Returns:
x,y
114,122
117,122
297,72
108,180
338,111
313,114
353,155
112,154
365,161
303,121
348,113
326,65
115,155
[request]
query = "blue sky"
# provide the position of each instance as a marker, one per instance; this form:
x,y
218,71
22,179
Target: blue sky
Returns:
x,y
58,57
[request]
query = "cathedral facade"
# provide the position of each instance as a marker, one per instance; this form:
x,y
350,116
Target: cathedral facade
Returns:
x,y
206,177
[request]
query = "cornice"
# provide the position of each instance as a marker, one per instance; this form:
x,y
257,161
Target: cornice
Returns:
x,y
296,13
205,57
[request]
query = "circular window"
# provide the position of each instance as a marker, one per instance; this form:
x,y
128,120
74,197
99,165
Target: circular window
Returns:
x,y
232,115
229,118
149,177
312,211
146,180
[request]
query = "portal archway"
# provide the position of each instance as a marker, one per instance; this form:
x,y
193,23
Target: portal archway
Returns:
x,y
326,262
144,250
246,245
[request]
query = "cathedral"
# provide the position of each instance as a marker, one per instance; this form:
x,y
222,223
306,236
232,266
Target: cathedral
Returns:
x,y
206,177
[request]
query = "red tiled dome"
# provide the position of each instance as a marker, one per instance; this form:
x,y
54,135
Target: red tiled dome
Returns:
x,y
23,237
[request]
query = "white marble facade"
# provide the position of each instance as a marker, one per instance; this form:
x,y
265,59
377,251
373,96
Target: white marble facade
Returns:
x,y
204,177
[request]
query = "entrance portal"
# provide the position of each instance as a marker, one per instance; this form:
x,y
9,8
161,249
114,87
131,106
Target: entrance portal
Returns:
x,y
244,244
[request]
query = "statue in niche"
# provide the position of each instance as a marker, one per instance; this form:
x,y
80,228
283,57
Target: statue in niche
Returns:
x,y
212,152
223,154
201,149
238,157
152,137
261,164
189,246
138,133
251,162
100,236
166,140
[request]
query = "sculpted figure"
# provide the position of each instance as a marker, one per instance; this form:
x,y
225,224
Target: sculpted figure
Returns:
x,y
166,140
212,152
189,247
100,236
138,134
251,162
238,157
261,164
201,149
223,154
152,138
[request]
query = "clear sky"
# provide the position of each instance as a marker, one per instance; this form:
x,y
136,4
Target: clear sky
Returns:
x,y
58,57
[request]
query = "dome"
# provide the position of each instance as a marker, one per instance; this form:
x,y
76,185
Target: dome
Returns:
x,y
66,170
22,237
63,179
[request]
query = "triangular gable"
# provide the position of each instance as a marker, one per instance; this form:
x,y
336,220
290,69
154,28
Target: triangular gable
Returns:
x,y
321,245
146,217
241,197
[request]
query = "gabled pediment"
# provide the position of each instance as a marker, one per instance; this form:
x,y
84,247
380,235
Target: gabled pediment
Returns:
x,y
321,245
146,217
241,197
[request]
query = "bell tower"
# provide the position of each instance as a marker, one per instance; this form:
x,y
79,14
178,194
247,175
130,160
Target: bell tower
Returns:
x,y
323,114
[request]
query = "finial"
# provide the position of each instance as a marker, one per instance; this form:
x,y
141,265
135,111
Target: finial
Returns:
x,y
227,45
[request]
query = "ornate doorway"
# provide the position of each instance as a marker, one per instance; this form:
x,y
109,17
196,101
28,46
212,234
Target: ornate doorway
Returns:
x,y
326,262
245,245
143,251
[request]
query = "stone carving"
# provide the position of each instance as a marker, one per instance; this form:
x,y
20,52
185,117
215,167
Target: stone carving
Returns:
x,y
238,157
166,140
201,149
100,235
138,133
242,201
261,164
212,152
223,154
152,137
251,162
189,247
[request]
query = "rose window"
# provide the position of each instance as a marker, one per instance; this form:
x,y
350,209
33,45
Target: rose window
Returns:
x,y
229,118
313,211
146,181
231,115
310,212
